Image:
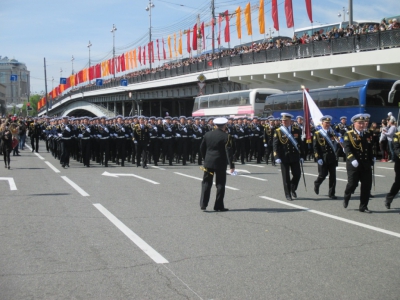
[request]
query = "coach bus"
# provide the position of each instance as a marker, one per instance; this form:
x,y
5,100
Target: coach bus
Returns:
x,y
363,96
248,103
325,28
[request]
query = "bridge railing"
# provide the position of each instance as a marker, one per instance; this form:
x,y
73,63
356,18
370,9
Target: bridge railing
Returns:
x,y
365,42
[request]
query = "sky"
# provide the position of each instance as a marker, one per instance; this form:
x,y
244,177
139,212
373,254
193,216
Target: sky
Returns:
x,y
57,30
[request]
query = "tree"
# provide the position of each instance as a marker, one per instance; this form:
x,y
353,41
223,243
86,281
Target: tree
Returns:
x,y
33,100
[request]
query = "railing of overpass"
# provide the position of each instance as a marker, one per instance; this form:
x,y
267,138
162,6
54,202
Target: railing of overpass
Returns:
x,y
365,42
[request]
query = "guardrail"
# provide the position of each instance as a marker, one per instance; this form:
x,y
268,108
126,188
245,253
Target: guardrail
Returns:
x,y
358,43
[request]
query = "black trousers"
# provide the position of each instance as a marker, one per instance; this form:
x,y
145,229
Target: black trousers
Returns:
x,y
182,149
290,185
120,146
240,149
363,174
35,143
207,183
323,172
154,149
396,184
85,150
168,150
64,145
104,152
196,151
141,153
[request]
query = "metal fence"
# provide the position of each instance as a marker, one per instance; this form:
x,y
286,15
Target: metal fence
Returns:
x,y
358,43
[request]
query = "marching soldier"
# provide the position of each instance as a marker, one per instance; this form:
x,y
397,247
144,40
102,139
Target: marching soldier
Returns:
x,y
324,145
35,131
239,135
269,132
65,134
154,142
84,134
141,140
167,134
359,162
288,151
197,133
181,134
342,128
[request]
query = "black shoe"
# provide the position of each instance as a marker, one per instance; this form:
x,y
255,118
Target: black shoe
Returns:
x,y
5,166
387,205
18,154
68,166
122,164
288,198
221,209
346,201
371,196
63,166
366,210
106,165
145,167
294,195
333,197
87,166
9,167
203,208
32,150
316,189
156,164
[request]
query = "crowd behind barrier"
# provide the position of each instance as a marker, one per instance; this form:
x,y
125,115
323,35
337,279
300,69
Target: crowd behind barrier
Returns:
x,y
337,41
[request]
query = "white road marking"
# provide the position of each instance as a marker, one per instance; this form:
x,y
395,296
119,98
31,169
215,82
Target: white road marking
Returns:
x,y
158,168
75,186
197,178
127,175
38,155
345,180
52,167
392,233
261,179
257,166
385,168
11,183
146,248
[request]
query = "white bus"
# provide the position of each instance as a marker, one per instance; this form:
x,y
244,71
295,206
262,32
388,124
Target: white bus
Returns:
x,y
247,103
325,28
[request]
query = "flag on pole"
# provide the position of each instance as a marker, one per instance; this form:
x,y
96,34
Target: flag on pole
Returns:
x,y
275,14
289,13
315,113
309,10
227,31
203,35
238,22
180,43
194,42
247,16
261,19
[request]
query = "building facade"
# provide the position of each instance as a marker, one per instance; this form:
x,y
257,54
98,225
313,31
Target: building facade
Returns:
x,y
16,78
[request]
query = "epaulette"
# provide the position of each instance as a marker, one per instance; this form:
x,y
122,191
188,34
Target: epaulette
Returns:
x,y
350,131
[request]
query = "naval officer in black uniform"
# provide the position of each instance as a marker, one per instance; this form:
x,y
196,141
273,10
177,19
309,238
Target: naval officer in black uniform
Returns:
x,y
396,184
325,145
288,151
359,162
217,153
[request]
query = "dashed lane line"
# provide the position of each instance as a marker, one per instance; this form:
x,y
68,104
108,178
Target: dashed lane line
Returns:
x,y
197,178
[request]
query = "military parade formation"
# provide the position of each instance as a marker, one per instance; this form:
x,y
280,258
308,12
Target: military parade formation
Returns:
x,y
281,141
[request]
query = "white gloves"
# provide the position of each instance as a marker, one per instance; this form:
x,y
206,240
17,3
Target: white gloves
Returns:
x,y
155,128
105,129
60,135
354,163
278,161
80,135
235,136
178,135
301,160
169,129
88,129
184,129
123,129
258,129
265,145
163,135
99,136
67,129
135,142
194,136
200,130
126,135
320,162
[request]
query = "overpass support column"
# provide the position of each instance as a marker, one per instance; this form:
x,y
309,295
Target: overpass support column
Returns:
x,y
115,107
123,108
160,109
107,105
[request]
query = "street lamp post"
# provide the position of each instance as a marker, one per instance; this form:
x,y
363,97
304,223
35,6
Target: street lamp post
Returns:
x,y
148,8
72,61
89,45
344,14
113,30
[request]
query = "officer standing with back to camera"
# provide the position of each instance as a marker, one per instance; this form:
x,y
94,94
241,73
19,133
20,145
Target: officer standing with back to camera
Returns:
x,y
216,149
324,145
359,162
288,151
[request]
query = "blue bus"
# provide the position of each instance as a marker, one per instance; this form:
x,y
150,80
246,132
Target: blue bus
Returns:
x,y
362,96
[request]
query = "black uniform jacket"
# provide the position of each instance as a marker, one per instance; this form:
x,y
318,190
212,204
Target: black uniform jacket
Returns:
x,y
284,148
358,147
216,149
322,149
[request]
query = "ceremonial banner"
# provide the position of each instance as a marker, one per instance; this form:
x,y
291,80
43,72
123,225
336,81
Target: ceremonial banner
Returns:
x,y
275,14
247,17
289,13
238,22
261,19
227,31
309,10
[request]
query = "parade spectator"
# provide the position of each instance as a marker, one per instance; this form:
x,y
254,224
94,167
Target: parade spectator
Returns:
x,y
389,135
383,142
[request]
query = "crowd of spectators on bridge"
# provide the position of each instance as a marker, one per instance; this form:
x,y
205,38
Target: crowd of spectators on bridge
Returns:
x,y
266,44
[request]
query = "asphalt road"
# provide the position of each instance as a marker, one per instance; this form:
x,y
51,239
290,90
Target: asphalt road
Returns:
x,y
87,233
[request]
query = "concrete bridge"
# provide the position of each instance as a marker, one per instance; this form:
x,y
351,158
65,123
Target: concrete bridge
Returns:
x,y
316,65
